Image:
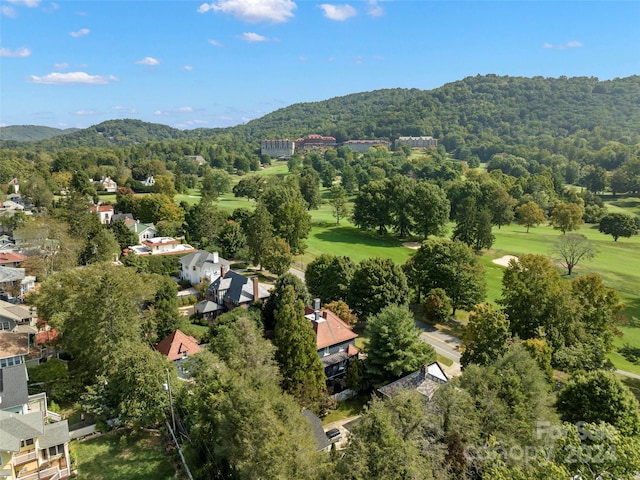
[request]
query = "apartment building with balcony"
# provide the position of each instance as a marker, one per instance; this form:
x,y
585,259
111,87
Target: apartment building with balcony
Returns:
x,y
31,449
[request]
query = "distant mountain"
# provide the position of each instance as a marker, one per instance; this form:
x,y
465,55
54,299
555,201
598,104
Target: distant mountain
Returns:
x,y
506,107
27,133
118,133
473,111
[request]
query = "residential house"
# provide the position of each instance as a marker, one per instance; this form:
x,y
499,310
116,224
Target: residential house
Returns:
x,y
108,185
105,212
160,246
231,290
426,381
149,181
177,347
127,218
14,348
323,444
14,283
6,242
201,265
335,340
198,159
17,318
145,231
31,449
11,259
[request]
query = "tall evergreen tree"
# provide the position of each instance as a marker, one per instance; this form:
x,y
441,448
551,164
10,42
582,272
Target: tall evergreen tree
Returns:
x,y
297,352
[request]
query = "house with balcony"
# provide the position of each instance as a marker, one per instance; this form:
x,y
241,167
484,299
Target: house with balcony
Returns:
x,y
31,449
335,340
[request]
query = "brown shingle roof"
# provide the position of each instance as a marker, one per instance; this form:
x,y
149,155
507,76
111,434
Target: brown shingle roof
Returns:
x,y
177,345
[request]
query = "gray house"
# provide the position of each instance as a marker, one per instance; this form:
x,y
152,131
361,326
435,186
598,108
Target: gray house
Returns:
x,y
231,290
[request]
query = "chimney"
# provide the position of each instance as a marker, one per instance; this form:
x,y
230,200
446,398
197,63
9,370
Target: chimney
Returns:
x,y
316,308
215,257
256,289
223,271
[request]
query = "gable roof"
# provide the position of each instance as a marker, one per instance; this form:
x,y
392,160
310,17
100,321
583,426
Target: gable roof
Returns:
x,y
54,434
238,288
177,345
11,257
15,427
426,381
322,441
11,274
330,329
138,227
13,386
14,311
200,258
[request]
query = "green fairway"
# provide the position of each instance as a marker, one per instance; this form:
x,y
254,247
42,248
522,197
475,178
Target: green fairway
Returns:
x,y
141,457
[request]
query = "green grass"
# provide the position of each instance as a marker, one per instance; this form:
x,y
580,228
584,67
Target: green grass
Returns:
x,y
141,457
348,408
444,360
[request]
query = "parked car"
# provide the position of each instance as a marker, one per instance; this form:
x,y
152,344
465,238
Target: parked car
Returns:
x,y
333,434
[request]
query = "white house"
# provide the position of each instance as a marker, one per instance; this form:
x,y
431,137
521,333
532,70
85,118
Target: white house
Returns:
x,y
161,246
105,212
201,265
145,231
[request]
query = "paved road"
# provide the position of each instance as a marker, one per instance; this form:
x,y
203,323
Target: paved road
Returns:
x,y
443,343
297,272
628,374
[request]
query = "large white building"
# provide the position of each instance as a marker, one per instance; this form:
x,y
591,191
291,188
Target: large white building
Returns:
x,y
418,142
278,148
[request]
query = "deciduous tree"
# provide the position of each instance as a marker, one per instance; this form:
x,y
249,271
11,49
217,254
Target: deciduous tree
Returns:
x,y
529,214
571,249
485,337
567,217
618,225
376,284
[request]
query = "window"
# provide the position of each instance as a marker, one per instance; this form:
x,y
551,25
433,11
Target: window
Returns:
x,y
341,348
5,325
26,443
326,351
57,450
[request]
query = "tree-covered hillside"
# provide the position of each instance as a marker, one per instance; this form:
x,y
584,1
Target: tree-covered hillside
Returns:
x,y
472,111
118,133
25,133
476,107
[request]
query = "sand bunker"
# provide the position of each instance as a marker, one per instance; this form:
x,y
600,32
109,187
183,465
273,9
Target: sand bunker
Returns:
x,y
414,245
504,261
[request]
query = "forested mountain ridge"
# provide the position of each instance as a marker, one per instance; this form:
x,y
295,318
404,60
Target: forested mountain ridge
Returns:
x,y
23,133
475,108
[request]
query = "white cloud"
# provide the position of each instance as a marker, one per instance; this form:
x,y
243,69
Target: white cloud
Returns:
x,y
21,52
25,3
303,59
187,68
122,109
253,11
8,11
85,112
71,78
83,32
191,124
339,13
572,44
174,111
61,66
252,37
148,61
331,59
215,43
374,9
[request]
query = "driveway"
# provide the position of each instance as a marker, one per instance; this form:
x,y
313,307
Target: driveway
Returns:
x,y
344,426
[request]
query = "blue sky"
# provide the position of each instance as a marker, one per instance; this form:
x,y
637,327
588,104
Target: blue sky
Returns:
x,y
224,62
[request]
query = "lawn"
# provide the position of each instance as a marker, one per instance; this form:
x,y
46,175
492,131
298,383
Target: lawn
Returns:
x,y
140,457
348,408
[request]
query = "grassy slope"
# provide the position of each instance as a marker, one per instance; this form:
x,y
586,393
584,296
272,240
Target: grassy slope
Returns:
x,y
141,458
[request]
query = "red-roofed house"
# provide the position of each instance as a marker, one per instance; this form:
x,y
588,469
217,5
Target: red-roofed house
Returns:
x,y
11,259
105,212
178,346
335,340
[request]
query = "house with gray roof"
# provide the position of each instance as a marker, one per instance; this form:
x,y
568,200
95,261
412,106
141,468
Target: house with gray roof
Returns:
x,y
202,265
15,281
14,348
231,290
426,381
29,449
